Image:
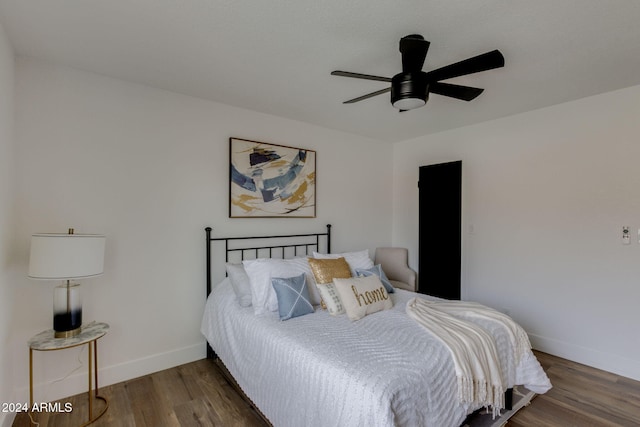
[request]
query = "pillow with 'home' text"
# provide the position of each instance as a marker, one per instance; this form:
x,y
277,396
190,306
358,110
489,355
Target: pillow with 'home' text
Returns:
x,y
361,296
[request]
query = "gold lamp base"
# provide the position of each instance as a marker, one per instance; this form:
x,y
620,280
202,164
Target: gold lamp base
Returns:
x,y
67,334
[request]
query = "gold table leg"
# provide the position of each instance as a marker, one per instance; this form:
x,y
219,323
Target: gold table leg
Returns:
x,y
89,393
30,378
93,360
92,377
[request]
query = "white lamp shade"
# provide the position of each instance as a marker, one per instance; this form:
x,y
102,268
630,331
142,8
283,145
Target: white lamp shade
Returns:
x,y
66,256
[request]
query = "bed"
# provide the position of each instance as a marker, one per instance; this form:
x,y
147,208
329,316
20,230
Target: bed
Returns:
x,y
320,369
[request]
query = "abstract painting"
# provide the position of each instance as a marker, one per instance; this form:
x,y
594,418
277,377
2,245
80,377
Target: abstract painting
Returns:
x,y
269,180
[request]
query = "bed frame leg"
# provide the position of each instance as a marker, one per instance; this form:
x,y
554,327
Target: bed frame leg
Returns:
x,y
508,399
210,353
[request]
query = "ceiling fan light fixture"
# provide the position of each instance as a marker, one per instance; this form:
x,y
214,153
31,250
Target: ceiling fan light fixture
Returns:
x,y
409,103
409,90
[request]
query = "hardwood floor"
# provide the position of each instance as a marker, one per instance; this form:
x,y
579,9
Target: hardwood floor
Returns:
x,y
581,396
197,394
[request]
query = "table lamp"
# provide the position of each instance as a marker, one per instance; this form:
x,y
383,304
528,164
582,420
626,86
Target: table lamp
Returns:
x,y
66,257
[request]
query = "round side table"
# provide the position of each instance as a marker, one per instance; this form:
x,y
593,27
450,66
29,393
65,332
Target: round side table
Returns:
x,y
89,334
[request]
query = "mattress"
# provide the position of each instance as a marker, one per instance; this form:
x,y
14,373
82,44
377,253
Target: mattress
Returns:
x,y
321,370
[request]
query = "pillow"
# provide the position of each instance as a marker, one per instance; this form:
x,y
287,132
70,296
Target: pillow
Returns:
x,y
325,270
331,299
363,295
293,296
377,270
240,283
355,260
260,272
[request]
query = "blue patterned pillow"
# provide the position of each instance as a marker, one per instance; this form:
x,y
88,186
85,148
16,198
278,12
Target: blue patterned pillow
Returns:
x,y
293,296
377,270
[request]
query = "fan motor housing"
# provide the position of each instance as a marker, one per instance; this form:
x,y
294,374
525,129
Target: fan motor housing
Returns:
x,y
409,90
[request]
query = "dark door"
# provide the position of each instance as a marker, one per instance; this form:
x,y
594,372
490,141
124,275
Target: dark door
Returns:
x,y
440,229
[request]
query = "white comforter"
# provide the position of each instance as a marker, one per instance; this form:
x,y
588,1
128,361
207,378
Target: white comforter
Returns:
x,y
318,370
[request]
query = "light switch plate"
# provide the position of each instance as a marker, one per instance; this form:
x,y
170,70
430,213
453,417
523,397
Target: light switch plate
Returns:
x,y
626,238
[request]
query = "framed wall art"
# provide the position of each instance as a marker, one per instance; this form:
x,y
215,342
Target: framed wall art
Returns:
x,y
269,180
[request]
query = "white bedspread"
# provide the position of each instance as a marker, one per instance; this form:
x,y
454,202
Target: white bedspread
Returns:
x,y
318,370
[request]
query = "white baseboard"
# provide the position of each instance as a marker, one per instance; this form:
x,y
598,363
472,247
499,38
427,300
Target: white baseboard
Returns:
x,y
147,365
587,356
77,383
6,419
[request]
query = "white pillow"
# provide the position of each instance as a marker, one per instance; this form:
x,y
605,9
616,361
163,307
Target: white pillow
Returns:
x,y
356,260
362,296
240,283
331,298
262,270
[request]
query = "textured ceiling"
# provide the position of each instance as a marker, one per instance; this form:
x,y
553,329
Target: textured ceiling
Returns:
x,y
276,56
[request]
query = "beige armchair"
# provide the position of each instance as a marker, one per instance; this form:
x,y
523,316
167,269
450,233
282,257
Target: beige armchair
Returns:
x,y
395,263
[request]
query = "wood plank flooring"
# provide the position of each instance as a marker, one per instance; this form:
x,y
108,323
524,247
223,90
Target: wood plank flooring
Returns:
x,y
197,394
581,396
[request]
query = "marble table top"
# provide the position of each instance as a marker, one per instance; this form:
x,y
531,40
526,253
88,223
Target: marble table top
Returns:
x,y
45,340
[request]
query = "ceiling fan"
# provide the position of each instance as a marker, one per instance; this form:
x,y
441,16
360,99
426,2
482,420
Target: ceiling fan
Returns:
x,y
410,89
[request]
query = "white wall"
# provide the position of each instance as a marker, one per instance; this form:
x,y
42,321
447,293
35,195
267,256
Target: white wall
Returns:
x,y
7,286
149,169
546,194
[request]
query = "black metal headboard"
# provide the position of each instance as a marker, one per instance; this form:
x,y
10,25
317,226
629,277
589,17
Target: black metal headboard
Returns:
x,y
256,246
260,246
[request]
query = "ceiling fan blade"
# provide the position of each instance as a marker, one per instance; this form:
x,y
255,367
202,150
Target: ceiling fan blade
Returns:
x,y
465,93
484,62
360,76
414,51
367,96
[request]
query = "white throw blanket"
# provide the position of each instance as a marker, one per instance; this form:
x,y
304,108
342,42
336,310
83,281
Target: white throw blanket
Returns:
x,y
473,349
